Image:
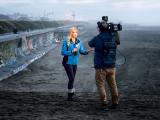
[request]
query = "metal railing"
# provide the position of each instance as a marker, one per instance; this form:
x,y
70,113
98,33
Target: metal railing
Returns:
x,y
17,51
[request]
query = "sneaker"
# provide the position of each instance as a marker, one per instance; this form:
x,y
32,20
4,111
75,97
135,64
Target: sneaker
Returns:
x,y
72,98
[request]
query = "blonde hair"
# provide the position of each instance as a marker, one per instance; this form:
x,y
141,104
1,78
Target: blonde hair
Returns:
x,y
73,29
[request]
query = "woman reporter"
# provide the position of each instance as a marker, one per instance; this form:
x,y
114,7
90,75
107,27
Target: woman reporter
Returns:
x,y
72,47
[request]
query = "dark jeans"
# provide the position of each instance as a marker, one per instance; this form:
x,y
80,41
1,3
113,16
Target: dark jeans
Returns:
x,y
71,72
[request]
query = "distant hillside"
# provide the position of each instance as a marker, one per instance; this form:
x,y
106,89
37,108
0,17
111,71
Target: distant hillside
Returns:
x,y
4,17
9,26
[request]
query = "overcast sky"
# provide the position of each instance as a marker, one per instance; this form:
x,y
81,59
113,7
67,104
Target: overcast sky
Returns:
x,y
144,12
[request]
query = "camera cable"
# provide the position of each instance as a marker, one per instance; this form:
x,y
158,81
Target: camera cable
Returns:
x,y
122,60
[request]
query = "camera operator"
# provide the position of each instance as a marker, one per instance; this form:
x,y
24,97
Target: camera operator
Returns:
x,y
113,29
104,62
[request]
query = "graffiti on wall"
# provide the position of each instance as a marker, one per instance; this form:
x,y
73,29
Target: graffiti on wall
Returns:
x,y
59,36
1,60
8,55
11,51
50,37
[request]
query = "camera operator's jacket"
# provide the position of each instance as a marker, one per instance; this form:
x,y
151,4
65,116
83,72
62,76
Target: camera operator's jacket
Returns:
x,y
105,50
67,51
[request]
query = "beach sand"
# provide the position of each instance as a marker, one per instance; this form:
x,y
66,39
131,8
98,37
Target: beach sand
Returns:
x,y
40,91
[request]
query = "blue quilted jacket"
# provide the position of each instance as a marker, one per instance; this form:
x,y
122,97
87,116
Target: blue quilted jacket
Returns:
x,y
67,51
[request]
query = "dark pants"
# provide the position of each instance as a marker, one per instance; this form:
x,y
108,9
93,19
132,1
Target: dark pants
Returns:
x,y
71,72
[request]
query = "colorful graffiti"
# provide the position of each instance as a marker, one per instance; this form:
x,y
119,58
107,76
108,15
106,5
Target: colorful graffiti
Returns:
x,y
1,60
8,55
17,51
59,36
11,51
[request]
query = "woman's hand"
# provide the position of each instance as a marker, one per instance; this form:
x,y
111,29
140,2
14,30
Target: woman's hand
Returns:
x,y
74,51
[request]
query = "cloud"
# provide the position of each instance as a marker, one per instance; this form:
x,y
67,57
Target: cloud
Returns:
x,y
136,5
14,1
81,1
33,2
49,1
125,10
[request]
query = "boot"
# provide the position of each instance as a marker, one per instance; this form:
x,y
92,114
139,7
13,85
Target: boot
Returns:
x,y
115,102
70,97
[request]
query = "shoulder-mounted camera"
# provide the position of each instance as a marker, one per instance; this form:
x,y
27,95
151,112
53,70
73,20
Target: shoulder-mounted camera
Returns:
x,y
108,27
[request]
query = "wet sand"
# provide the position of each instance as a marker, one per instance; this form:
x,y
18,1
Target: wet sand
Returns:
x,y
39,92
